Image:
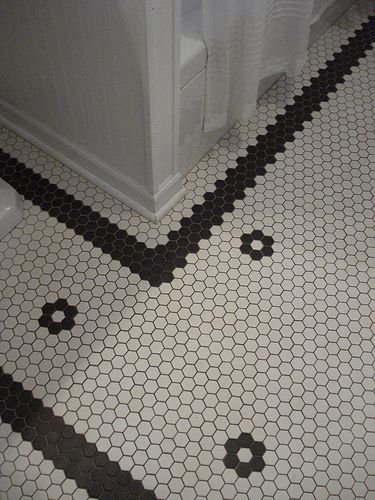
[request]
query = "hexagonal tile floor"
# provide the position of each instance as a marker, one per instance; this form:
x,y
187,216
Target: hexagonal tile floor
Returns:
x,y
226,352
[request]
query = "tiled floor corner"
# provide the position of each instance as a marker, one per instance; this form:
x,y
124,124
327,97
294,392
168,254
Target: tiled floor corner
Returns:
x,y
249,374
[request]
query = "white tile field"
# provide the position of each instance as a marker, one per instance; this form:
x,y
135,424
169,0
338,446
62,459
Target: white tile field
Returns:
x,y
170,381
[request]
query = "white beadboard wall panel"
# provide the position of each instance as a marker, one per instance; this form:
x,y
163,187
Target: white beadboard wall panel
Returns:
x,y
79,72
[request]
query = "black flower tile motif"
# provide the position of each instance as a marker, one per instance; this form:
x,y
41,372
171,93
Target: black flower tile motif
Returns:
x,y
244,455
58,316
248,245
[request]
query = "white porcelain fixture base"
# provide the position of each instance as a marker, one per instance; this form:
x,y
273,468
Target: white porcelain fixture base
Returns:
x,y
10,208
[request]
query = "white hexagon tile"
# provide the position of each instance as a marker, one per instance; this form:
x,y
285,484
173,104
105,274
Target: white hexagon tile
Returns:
x,y
224,353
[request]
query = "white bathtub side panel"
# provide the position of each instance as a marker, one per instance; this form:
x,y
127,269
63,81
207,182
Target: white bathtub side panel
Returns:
x,y
194,143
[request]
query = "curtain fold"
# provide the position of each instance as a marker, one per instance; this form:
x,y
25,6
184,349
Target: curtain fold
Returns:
x,y
246,41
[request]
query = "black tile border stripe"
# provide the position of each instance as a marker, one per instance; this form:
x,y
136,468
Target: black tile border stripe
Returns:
x,y
69,451
156,265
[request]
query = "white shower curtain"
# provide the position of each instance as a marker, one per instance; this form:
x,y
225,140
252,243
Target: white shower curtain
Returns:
x,y
248,40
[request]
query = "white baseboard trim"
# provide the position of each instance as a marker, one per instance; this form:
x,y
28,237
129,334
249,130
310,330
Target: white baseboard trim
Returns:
x,y
93,168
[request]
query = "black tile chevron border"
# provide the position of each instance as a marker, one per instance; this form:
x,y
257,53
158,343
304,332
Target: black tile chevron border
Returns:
x,y
156,265
68,450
